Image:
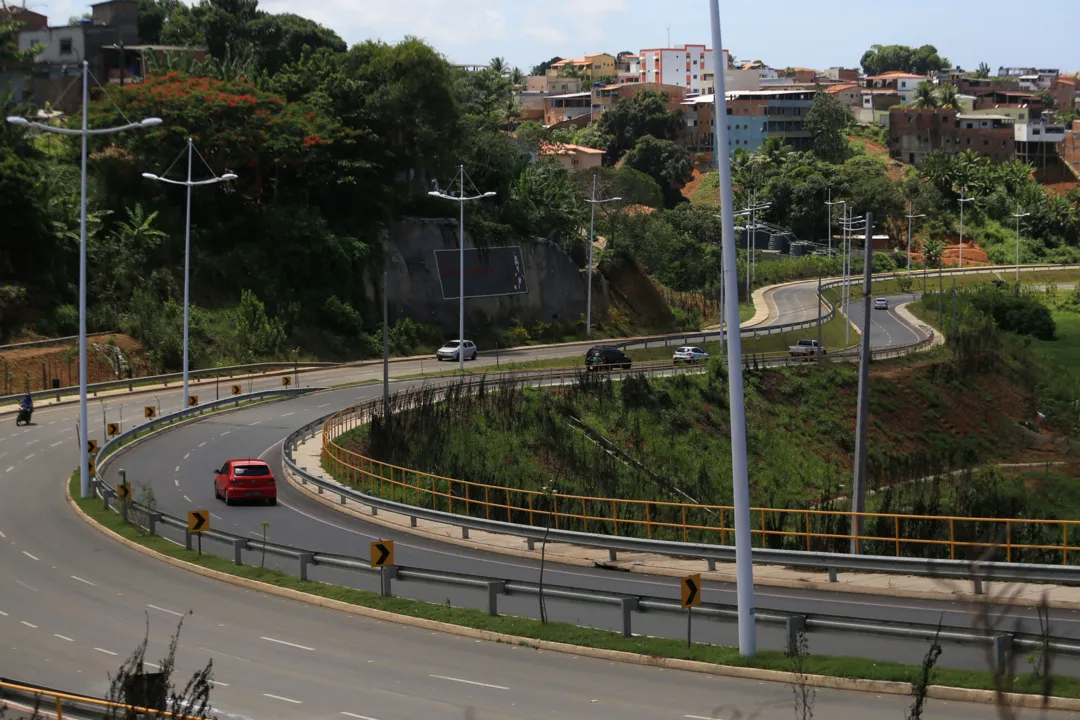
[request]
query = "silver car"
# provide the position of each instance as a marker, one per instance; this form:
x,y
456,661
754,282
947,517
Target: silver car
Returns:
x,y
450,350
689,355
881,304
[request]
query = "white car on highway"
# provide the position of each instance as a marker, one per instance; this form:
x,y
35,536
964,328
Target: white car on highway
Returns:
x,y
689,355
450,350
881,304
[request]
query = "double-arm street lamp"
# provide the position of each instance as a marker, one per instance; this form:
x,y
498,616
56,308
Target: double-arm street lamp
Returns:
x,y
910,217
592,229
461,199
85,132
189,183
1018,215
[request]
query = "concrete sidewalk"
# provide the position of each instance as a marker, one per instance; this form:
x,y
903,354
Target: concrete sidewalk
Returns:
x,y
307,456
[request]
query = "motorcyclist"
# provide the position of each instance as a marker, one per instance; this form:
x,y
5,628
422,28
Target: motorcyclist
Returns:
x,y
27,403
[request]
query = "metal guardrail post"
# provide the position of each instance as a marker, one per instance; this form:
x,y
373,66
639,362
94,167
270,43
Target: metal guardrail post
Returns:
x,y
495,589
628,606
306,559
107,493
151,522
239,545
386,574
187,539
794,625
612,555
832,575
1002,647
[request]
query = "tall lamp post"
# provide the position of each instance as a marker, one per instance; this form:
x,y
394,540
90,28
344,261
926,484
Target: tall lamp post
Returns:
x,y
910,218
189,183
593,202
85,132
461,199
963,200
829,204
1018,215
744,561
851,226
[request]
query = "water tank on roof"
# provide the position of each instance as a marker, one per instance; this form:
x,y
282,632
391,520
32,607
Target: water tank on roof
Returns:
x,y
799,249
779,243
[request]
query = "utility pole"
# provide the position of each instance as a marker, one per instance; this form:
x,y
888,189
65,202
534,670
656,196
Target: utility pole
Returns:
x,y
1018,215
385,349
963,200
819,303
910,217
858,488
744,561
589,274
830,204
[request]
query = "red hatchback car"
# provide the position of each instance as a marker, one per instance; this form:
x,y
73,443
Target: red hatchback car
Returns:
x,y
245,480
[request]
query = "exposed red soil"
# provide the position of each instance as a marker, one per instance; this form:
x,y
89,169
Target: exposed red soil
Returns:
x,y
37,367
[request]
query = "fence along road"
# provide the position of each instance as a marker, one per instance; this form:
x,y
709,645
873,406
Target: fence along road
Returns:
x,y
122,586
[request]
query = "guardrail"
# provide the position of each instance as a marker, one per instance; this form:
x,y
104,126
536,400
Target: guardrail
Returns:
x,y
152,520
72,705
194,376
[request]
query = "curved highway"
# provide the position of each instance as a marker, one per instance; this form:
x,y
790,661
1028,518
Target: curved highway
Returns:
x,y
75,602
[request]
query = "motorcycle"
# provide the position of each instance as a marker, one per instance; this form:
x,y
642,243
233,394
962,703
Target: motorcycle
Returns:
x,y
24,417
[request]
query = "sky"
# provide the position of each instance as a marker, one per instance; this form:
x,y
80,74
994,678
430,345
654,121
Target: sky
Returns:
x,y
780,32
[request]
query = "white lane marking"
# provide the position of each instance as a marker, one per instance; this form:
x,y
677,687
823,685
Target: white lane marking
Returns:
x,y
284,699
358,717
2,535
187,498
288,414
3,613
10,469
282,642
29,625
201,444
322,406
58,442
254,423
30,455
218,652
216,517
64,637
699,717
28,555
28,587
218,682
31,442
107,652
469,682
177,469
76,577
165,610
226,433
176,482
153,665
186,456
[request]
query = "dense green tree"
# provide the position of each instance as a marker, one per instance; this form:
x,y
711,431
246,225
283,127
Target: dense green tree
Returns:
x,y
983,71
281,39
926,98
827,122
631,120
665,162
923,60
948,97
543,67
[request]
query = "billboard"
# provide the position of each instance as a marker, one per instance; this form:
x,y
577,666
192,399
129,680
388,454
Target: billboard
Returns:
x,y
489,272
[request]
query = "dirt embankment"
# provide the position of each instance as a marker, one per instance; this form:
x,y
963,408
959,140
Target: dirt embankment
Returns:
x,y
40,367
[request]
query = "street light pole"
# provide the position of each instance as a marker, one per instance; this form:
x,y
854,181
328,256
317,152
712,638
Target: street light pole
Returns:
x,y
592,230
1018,215
850,226
462,199
910,217
744,561
829,204
962,201
189,184
84,132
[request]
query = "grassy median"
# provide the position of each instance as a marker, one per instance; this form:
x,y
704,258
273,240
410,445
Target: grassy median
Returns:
x,y
565,633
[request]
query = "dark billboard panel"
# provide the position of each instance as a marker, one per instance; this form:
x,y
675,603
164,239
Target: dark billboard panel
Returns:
x,y
489,272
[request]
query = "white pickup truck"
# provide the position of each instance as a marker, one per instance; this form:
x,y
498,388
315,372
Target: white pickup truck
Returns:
x,y
806,347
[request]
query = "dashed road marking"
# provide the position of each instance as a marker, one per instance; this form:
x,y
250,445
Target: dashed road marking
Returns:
x,y
186,498
469,682
254,423
58,442
186,456
28,624
76,577
107,652
282,642
201,444
285,699
165,610
28,555
177,469
288,414
64,637
358,717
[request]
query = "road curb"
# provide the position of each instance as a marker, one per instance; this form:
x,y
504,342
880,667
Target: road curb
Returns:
x,y
714,575
886,687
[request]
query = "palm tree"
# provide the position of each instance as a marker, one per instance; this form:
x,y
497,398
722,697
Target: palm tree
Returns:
x,y
983,71
498,65
948,97
773,152
925,97
933,248
516,77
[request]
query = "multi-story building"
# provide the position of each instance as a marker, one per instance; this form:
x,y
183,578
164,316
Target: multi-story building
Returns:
x,y
1070,148
1039,81
567,107
1014,98
842,75
629,69
914,134
752,117
850,94
1066,92
906,84
875,104
553,85
685,66
1037,142
600,65
1014,72
604,97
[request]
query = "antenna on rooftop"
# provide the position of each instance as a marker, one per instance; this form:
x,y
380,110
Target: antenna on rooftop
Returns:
x,y
669,36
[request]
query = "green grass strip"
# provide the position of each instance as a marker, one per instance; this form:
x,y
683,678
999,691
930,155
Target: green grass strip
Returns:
x,y
846,667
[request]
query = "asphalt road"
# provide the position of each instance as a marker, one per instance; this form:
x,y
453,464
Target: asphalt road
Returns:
x,y
74,602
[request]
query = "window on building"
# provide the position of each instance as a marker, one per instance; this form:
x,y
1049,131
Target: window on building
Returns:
x,y
969,141
65,46
986,143
1036,132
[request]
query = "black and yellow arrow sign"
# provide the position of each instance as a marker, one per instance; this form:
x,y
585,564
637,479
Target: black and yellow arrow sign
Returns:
x,y
91,447
192,400
91,466
236,390
382,553
123,491
112,429
149,412
691,591
198,521
286,381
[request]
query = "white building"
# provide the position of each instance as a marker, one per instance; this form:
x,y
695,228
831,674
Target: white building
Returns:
x,y
685,67
1038,80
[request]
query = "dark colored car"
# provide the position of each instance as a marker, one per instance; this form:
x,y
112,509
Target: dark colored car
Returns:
x,y
606,357
245,480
